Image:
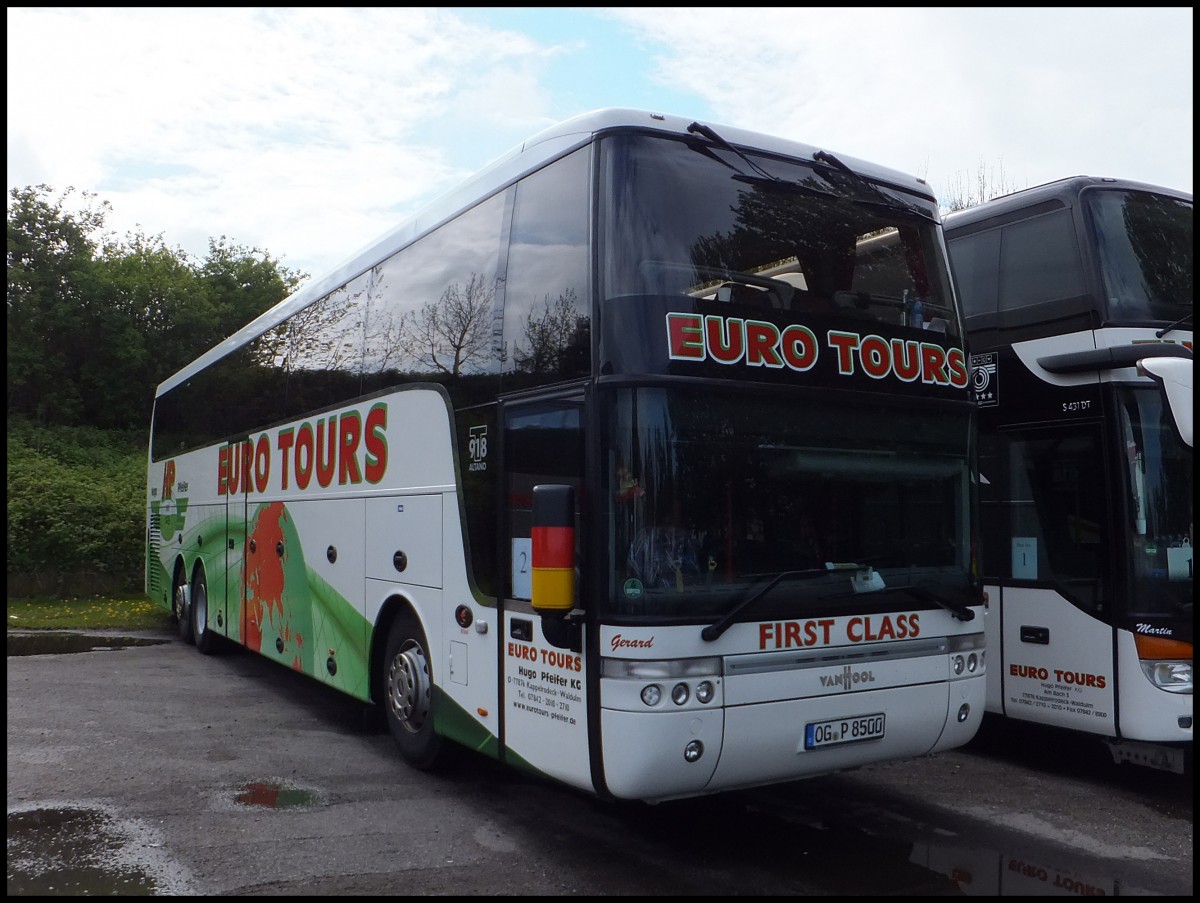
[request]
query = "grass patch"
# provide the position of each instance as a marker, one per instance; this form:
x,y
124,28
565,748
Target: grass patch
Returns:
x,y
133,611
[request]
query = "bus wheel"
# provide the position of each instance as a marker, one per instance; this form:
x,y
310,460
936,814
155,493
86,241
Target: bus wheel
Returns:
x,y
205,639
408,694
182,607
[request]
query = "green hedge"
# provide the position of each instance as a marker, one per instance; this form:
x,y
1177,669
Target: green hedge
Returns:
x,y
75,506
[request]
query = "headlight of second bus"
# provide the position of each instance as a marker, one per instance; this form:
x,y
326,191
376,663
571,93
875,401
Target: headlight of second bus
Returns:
x,y
1172,676
1166,662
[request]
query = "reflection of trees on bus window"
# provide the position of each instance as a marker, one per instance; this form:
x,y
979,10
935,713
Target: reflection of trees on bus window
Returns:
x,y
1145,243
803,241
546,318
325,349
555,339
433,303
451,335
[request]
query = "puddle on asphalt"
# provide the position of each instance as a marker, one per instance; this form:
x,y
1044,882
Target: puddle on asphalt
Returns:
x,y
74,851
59,643
275,795
903,854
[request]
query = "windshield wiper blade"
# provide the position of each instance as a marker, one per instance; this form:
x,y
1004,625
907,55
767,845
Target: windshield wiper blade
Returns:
x,y
714,630
888,204
785,185
700,128
960,610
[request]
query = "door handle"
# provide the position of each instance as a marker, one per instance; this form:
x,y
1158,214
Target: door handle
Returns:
x,y
1039,635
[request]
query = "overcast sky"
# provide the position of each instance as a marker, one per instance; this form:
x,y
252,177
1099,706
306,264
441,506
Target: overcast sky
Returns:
x,y
310,132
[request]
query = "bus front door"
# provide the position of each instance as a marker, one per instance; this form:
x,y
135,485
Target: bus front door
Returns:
x,y
543,680
1055,633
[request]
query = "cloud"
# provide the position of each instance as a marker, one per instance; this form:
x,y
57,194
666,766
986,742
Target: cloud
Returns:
x,y
310,132
299,131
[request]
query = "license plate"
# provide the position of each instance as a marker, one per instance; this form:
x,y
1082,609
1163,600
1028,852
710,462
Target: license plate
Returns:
x,y
837,731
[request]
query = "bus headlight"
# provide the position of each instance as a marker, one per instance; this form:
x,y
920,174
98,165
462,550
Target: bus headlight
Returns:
x,y
1169,675
652,694
959,664
704,691
680,694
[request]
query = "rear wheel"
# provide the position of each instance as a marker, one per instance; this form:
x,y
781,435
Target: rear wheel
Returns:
x,y
181,605
206,641
407,682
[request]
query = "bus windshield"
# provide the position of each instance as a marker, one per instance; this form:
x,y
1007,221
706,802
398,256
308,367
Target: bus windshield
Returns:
x,y
1159,488
1145,246
781,238
718,493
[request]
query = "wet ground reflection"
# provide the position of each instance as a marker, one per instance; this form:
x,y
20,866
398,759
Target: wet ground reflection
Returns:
x,y
275,795
72,851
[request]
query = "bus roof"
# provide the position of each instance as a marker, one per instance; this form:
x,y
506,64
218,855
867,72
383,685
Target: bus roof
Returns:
x,y
1065,190
533,153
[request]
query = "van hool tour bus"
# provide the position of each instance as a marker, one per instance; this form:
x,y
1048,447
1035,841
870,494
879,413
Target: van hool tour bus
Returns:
x,y
643,461
1077,297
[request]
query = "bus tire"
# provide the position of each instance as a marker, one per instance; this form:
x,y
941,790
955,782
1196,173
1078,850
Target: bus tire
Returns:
x,y
407,686
205,639
182,608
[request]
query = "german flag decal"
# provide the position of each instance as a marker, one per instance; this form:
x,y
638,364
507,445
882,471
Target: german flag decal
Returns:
x,y
553,548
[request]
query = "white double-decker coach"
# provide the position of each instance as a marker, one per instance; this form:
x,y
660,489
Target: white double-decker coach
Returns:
x,y
643,461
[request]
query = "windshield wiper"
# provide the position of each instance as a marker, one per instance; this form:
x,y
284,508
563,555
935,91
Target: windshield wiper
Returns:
x,y
1162,332
888,204
787,186
960,610
714,630
699,128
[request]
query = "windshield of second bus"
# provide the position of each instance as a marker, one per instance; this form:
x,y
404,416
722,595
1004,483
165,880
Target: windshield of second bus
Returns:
x,y
716,494
1145,245
1158,482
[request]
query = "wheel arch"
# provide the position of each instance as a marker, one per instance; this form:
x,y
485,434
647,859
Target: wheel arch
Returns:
x,y
396,604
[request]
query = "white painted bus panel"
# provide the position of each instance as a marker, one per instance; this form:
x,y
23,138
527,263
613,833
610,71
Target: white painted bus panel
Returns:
x,y
1055,662
1146,712
765,742
545,702
643,753
404,539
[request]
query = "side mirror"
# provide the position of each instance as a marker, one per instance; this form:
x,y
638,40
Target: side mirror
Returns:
x,y
1174,375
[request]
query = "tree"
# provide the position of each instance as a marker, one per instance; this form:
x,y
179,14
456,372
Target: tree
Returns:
x,y
51,252
96,322
963,192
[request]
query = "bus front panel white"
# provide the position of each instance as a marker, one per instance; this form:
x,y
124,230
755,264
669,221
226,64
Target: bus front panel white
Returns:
x,y
646,754
766,742
1146,711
